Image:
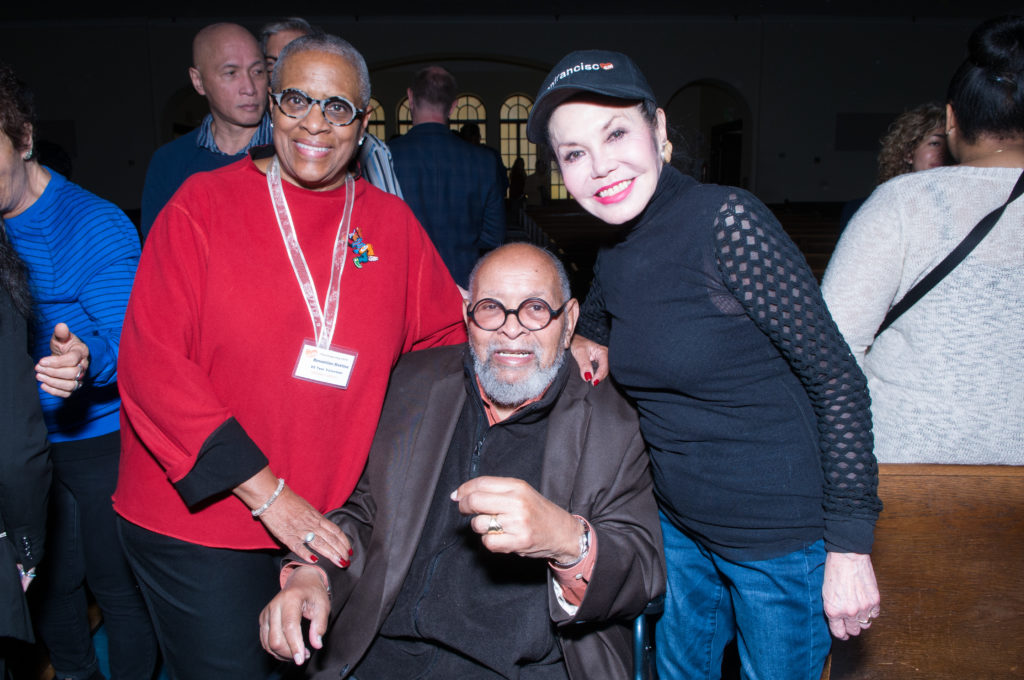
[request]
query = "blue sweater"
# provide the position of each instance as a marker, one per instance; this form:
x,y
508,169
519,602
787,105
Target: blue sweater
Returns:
x,y
81,253
755,412
170,166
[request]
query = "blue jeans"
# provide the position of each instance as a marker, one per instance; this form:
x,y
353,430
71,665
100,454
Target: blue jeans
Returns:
x,y
772,607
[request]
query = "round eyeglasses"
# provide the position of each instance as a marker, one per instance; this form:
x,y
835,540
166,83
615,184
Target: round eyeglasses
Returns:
x,y
533,314
297,104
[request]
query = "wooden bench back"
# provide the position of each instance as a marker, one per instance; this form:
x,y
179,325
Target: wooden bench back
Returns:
x,y
949,557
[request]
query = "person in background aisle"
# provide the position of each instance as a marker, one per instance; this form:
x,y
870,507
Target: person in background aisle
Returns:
x,y
470,132
260,415
24,458
915,141
454,188
81,253
228,70
947,376
374,156
276,34
754,412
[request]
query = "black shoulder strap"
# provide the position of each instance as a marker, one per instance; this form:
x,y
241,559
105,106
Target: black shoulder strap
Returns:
x,y
952,260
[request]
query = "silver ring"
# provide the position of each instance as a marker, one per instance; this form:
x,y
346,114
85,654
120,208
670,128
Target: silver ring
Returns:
x,y
494,526
863,623
81,372
309,538
78,385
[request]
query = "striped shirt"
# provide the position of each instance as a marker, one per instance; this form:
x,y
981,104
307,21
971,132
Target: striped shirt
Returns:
x,y
81,253
377,167
264,135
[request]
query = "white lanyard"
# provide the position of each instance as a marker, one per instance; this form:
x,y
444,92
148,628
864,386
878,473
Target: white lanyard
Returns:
x,y
323,321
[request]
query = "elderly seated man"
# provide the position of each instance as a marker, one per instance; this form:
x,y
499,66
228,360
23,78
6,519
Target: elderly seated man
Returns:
x,y
504,526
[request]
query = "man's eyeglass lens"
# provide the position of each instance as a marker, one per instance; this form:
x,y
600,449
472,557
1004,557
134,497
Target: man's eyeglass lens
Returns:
x,y
533,314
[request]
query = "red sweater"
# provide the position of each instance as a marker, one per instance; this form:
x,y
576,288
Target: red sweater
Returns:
x,y
213,333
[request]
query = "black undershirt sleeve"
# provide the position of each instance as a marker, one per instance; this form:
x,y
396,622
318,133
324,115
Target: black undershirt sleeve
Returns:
x,y
227,458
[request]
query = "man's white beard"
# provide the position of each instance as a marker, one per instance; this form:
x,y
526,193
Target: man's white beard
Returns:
x,y
513,395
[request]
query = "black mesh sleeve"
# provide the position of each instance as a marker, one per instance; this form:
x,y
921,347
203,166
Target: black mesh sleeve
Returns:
x,y
767,273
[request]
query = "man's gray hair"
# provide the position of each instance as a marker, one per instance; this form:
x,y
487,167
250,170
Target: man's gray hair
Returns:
x,y
563,278
331,44
289,24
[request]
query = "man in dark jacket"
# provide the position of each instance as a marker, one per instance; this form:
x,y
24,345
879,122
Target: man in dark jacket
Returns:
x,y
455,189
504,526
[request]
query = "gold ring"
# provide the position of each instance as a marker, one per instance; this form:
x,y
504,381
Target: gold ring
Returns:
x,y
494,526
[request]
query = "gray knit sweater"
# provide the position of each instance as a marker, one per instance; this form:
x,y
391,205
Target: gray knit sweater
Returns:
x,y
947,378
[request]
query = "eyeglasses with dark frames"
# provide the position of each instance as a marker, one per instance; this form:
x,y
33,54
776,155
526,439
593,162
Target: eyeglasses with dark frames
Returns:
x,y
533,314
337,111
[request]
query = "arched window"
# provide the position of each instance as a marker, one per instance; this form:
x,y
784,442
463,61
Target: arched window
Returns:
x,y
376,127
557,185
514,114
404,116
469,109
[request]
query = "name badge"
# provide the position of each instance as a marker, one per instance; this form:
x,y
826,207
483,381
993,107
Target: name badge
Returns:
x,y
325,366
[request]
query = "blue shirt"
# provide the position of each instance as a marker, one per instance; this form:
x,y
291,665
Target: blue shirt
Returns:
x,y
81,253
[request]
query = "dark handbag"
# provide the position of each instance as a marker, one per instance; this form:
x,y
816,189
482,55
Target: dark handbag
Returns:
x,y
965,247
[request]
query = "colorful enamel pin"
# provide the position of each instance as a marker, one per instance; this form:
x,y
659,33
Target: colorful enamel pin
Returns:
x,y
362,249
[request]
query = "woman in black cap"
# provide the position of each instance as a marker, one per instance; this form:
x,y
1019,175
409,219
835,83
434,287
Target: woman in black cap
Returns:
x,y
755,413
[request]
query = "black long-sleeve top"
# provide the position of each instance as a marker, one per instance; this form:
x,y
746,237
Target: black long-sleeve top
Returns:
x,y
24,450
756,414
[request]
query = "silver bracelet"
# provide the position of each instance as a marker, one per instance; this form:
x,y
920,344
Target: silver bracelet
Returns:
x,y
273,497
584,546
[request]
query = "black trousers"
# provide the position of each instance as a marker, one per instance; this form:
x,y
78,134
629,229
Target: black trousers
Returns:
x,y
82,546
205,603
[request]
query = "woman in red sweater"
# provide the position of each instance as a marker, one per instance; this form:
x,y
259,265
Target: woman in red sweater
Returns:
x,y
272,299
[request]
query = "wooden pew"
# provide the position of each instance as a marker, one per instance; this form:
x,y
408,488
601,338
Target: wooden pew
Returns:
x,y
949,557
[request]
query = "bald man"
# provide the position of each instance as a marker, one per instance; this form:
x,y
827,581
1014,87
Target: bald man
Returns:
x,y
228,69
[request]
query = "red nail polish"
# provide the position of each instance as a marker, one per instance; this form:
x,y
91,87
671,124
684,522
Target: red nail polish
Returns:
x,y
595,382
343,563
350,552
314,559
587,376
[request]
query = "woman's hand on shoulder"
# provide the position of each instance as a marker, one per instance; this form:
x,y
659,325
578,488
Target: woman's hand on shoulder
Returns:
x,y
62,373
591,357
850,593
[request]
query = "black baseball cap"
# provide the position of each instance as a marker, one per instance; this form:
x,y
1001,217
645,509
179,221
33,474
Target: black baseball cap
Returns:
x,y
602,72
